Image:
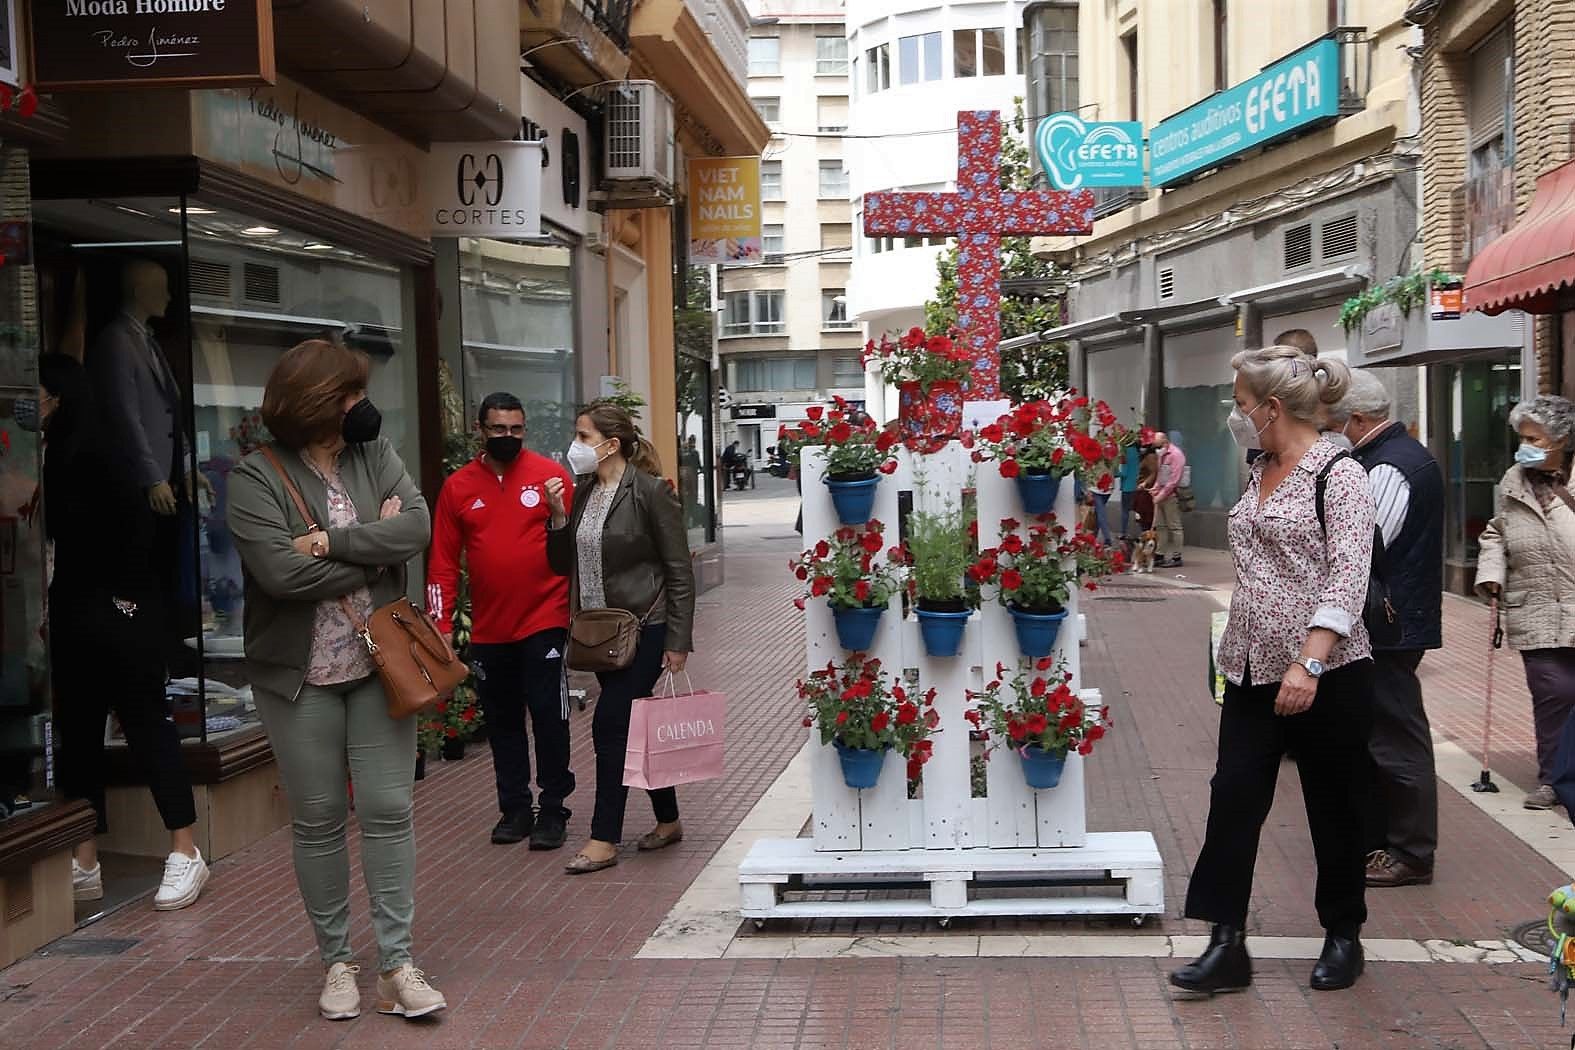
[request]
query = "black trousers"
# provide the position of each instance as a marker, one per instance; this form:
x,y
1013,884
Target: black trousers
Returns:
x,y
1330,743
103,660
514,678
1403,815
610,733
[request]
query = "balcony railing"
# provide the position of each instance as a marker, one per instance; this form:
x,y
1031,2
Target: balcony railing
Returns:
x,y
1483,209
611,17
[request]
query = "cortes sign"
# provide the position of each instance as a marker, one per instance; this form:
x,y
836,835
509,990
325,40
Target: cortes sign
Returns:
x,y
485,189
1291,94
77,44
1077,154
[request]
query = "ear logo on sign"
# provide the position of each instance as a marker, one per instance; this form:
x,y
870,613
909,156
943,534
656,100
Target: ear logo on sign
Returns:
x,y
484,176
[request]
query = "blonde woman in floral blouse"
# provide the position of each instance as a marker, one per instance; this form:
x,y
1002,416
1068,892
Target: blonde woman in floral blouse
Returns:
x,y
1299,665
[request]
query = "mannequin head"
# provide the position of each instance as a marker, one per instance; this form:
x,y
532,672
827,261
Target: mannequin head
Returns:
x,y
145,289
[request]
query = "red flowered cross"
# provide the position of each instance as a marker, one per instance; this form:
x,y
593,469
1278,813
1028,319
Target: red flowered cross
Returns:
x,y
979,214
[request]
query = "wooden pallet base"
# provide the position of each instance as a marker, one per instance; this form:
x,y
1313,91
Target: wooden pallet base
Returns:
x,y
1127,858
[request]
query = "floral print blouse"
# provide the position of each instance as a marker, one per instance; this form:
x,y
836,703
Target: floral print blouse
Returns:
x,y
1289,577
593,594
338,653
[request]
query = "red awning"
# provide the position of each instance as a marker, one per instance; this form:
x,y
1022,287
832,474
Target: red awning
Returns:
x,y
1527,268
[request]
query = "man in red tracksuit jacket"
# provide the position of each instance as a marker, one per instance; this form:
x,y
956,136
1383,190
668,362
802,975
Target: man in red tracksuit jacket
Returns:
x,y
494,511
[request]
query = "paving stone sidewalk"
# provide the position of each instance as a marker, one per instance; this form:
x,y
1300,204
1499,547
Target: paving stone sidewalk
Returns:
x,y
532,958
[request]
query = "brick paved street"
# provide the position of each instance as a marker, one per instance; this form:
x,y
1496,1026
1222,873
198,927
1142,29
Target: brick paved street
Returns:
x,y
531,958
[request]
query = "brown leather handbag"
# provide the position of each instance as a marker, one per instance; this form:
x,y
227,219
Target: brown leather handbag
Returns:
x,y
605,639
415,662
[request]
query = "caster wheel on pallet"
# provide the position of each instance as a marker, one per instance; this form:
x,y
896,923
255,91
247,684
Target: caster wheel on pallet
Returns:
x,y
1138,920
760,924
943,923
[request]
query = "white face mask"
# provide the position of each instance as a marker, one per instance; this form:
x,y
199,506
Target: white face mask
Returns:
x,y
1243,429
1338,438
582,458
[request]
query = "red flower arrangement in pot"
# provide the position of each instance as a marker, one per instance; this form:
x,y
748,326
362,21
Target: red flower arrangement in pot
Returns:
x,y
857,452
928,372
863,714
844,571
1038,715
1034,569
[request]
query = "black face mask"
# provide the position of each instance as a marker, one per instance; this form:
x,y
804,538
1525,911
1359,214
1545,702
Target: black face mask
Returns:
x,y
362,423
25,412
506,448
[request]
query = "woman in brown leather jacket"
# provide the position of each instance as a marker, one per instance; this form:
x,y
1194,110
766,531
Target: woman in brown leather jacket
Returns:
x,y
625,544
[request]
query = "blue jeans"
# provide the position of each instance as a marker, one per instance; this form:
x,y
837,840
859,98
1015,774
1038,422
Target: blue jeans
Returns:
x,y
1102,516
1127,499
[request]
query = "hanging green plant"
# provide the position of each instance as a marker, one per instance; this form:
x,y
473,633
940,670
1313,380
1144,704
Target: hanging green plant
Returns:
x,y
1405,292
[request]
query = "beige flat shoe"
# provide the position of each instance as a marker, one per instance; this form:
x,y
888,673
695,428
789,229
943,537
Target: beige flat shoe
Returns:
x,y
583,865
654,840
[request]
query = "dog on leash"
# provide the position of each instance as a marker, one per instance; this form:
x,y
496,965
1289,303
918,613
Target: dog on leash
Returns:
x,y
1147,548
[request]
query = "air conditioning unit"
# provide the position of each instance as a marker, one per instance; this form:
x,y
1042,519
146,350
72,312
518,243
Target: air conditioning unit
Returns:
x,y
639,146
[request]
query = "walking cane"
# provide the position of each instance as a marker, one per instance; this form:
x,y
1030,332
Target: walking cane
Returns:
x,y
1495,642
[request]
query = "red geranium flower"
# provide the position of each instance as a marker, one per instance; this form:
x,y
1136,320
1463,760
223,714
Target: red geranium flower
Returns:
x,y
879,723
1011,580
872,542
861,591
815,412
1009,468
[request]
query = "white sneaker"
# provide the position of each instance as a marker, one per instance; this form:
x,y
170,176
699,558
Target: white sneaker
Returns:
x,y
408,994
87,884
184,878
341,999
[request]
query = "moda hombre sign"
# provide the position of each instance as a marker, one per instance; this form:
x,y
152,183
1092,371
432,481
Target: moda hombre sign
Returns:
x,y
79,44
1293,93
485,189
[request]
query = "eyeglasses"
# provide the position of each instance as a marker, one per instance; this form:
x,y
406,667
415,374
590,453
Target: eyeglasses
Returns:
x,y
498,430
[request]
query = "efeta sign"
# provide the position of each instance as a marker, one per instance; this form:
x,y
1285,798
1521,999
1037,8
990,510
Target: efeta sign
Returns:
x,y
1078,154
1295,92
78,44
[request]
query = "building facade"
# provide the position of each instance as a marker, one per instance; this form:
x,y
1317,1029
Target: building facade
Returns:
x,y
786,340
1233,242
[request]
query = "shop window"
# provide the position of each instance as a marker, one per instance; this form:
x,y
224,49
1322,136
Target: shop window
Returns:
x,y
765,56
833,181
877,69
834,309
919,58
756,312
772,374
831,56
771,180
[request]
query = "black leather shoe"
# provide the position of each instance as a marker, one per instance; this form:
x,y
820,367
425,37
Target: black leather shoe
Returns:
x,y
552,827
1224,966
1340,964
514,827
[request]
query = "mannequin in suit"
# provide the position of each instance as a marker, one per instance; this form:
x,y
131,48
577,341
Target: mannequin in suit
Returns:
x,y
137,387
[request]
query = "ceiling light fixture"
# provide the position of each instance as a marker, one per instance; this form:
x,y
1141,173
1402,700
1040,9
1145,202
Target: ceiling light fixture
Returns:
x,y
259,231
192,209
317,246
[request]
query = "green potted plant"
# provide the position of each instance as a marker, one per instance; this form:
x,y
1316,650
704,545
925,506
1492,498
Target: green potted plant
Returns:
x,y
843,570
863,714
938,556
1038,716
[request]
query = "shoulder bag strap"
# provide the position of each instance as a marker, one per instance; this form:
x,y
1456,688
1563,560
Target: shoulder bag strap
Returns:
x,y
311,526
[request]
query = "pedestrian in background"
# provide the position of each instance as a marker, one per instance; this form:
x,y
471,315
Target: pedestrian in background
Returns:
x,y
1408,490
1172,466
1297,662
1131,460
1301,339
493,511
314,681
622,537
1527,561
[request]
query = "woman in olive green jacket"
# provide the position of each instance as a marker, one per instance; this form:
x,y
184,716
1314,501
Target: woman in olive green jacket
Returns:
x,y
312,677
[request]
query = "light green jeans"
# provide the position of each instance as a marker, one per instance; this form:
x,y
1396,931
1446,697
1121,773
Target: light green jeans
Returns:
x,y
319,738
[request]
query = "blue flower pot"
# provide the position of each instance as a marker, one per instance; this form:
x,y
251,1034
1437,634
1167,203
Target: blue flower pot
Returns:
x,y
942,631
1036,632
853,500
1038,492
856,627
1041,768
860,765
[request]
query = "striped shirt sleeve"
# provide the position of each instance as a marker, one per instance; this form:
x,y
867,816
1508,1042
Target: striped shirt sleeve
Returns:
x,y
1392,494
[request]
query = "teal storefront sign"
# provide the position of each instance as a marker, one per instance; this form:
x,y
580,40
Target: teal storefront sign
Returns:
x,y
1294,92
1078,154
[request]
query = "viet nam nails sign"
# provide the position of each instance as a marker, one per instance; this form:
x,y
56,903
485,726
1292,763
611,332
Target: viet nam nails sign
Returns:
x,y
78,44
1294,92
1078,154
724,211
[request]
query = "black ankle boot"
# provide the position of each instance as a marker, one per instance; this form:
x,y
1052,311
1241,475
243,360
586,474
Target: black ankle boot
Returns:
x,y
1224,966
1340,964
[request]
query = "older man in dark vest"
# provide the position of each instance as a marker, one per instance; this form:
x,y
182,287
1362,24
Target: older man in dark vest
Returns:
x,y
1408,489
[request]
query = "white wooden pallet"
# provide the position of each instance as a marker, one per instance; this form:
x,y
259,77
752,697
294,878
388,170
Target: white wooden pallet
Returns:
x,y
1129,858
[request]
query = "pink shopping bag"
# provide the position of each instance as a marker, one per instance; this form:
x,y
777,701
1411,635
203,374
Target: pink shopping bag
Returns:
x,y
674,738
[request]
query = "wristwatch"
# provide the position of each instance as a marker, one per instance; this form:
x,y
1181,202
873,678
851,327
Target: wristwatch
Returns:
x,y
319,550
1315,668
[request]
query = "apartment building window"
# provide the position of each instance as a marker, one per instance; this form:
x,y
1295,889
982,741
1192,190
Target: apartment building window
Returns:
x,y
833,181
770,110
876,245
1129,50
832,113
1221,45
919,58
831,56
773,241
836,236
1052,60
771,180
758,374
765,56
846,371
979,52
753,313
834,309
1490,109
877,69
